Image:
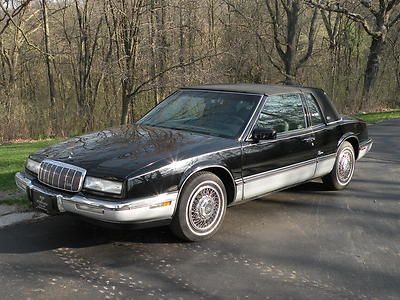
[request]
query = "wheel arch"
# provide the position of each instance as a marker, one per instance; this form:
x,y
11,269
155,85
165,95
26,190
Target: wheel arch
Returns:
x,y
219,170
353,140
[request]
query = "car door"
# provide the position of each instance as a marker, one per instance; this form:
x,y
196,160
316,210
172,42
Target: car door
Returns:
x,y
288,159
326,136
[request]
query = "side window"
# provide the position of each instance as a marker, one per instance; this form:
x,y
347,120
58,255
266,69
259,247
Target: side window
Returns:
x,y
282,113
315,113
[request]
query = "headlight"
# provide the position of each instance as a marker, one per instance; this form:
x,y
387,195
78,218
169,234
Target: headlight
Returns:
x,y
103,185
32,166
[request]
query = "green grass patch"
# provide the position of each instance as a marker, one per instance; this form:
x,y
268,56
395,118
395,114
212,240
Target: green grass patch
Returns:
x,y
22,202
12,159
379,116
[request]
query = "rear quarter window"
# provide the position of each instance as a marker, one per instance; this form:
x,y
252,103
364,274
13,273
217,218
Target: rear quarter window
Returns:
x,y
314,110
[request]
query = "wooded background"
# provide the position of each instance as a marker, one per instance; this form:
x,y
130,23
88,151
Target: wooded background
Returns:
x,y
72,66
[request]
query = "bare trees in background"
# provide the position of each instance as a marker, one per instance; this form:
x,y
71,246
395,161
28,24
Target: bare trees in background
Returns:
x,y
127,21
286,25
9,9
376,18
70,66
49,66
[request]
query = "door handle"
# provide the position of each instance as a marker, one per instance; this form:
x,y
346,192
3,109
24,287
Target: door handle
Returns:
x,y
309,139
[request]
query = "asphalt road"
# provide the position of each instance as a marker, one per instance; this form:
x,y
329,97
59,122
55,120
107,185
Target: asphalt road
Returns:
x,y
302,243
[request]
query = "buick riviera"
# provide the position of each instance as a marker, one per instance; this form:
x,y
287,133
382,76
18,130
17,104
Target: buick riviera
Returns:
x,y
198,152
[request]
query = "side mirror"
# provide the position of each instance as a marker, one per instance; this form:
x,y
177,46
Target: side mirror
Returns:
x,y
260,134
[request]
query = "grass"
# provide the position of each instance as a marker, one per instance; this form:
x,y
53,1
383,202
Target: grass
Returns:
x,y
12,159
379,116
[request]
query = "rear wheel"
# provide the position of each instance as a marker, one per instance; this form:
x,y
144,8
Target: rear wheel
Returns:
x,y
343,171
201,208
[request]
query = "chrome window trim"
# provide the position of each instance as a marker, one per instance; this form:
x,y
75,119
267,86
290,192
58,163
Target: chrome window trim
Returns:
x,y
280,138
317,127
334,122
321,114
218,91
67,166
260,102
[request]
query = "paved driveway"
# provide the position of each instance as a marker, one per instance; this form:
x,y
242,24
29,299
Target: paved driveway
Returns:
x,y
301,243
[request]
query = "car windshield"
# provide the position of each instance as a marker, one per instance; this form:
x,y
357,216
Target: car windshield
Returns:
x,y
213,113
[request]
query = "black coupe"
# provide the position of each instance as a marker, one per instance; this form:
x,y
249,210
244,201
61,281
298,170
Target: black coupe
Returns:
x,y
200,150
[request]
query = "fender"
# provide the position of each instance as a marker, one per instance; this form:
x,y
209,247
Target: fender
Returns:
x,y
202,166
346,136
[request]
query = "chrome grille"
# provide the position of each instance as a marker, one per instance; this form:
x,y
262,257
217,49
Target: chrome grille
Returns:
x,y
61,175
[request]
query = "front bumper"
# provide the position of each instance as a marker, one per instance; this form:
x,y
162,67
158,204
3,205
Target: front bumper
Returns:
x,y
364,148
141,210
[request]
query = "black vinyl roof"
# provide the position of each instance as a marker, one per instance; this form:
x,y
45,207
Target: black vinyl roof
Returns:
x,y
261,89
329,110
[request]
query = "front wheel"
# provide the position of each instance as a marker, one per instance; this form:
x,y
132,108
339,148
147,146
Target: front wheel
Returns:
x,y
201,208
343,170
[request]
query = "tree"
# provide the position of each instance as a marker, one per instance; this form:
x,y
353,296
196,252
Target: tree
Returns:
x,y
9,10
286,26
85,41
127,17
49,65
376,19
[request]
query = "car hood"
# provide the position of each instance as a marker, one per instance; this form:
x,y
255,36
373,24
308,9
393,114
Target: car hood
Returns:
x,y
119,152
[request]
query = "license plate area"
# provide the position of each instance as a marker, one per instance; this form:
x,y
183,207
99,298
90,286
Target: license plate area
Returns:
x,y
44,202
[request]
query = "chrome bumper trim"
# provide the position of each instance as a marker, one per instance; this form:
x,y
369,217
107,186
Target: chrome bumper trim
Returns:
x,y
364,149
147,209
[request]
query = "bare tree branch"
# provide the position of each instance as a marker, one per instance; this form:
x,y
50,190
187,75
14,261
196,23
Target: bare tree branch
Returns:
x,y
351,15
173,67
9,15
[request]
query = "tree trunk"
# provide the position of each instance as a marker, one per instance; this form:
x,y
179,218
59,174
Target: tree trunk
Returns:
x,y
153,43
372,69
162,48
49,63
291,47
182,39
125,108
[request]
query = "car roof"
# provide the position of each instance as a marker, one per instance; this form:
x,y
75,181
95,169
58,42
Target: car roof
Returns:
x,y
328,109
260,89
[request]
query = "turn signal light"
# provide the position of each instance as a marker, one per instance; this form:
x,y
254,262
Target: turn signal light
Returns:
x,y
165,203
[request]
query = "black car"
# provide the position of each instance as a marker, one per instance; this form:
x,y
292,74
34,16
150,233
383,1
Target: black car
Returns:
x,y
200,150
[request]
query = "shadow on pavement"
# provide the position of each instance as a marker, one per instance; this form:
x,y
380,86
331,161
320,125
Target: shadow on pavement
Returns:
x,y
73,232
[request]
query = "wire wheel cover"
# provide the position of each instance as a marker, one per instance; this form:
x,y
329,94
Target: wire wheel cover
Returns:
x,y
204,208
345,166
